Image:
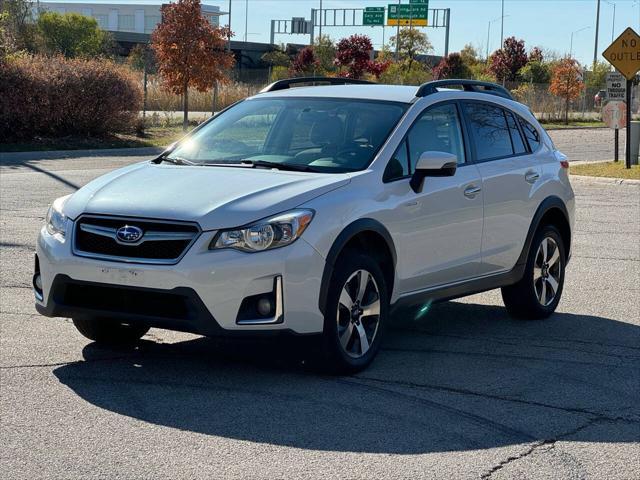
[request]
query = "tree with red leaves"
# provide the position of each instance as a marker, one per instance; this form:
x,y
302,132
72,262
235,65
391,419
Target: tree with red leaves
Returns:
x,y
451,66
567,83
190,52
304,64
353,53
506,62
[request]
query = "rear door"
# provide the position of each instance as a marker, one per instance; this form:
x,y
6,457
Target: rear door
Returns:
x,y
510,176
437,231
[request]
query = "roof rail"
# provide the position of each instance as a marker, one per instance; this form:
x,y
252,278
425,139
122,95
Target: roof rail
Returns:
x,y
287,83
467,85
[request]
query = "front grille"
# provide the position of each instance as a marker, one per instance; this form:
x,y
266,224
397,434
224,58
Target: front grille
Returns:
x,y
161,242
123,300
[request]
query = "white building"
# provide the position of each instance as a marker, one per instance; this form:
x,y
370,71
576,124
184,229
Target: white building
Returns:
x,y
123,16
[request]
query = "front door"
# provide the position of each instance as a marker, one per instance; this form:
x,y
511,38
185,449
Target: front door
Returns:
x,y
438,231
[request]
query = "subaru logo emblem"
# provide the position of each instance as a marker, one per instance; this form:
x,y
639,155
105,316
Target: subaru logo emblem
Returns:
x,y
129,234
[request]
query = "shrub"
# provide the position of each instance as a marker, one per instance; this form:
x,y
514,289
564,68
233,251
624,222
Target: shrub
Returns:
x,y
49,96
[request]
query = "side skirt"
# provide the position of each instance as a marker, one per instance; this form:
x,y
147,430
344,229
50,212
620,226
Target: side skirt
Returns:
x,y
462,289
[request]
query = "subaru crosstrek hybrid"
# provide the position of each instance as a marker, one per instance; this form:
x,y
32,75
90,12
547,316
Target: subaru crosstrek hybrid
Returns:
x,y
317,210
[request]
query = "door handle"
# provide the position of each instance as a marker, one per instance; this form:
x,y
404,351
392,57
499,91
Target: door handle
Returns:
x,y
471,191
531,176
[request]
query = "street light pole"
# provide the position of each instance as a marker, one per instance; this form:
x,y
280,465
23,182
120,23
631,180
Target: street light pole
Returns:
x,y
571,43
613,25
229,37
489,32
246,19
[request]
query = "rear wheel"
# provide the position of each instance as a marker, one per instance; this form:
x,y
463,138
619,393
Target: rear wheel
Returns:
x,y
109,331
538,293
356,314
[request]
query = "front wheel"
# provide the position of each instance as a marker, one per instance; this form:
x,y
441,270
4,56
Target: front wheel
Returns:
x,y
108,331
538,293
355,315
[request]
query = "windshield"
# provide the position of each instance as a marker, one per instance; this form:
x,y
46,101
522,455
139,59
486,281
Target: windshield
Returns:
x,y
314,134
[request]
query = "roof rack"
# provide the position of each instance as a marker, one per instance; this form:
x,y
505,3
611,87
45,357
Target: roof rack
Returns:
x,y
287,83
467,85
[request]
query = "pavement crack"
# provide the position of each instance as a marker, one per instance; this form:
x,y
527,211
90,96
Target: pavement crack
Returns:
x,y
549,443
462,391
509,357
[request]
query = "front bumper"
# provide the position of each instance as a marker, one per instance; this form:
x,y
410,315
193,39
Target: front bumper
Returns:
x,y
202,294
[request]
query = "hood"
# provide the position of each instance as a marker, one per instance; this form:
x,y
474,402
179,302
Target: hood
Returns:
x,y
215,197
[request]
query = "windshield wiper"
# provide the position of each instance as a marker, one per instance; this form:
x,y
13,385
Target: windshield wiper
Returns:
x,y
178,161
280,166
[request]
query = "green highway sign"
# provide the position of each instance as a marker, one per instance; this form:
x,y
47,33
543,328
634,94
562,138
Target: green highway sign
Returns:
x,y
373,16
415,13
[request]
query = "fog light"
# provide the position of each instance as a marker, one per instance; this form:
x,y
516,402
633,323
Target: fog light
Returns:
x,y
265,307
37,282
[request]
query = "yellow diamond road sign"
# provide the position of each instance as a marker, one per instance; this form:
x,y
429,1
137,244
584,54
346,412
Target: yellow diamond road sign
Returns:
x,y
624,53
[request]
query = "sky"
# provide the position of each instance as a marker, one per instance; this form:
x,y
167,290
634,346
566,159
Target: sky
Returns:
x,y
544,23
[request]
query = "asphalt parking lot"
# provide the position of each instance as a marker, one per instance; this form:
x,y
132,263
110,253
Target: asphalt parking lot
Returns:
x,y
462,392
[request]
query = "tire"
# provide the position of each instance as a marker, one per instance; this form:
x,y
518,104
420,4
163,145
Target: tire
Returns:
x,y
108,331
538,292
345,350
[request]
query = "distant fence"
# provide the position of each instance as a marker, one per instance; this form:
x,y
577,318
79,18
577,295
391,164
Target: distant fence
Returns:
x,y
549,107
245,83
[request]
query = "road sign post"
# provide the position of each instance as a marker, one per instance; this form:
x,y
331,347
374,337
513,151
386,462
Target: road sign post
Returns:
x,y
614,115
624,54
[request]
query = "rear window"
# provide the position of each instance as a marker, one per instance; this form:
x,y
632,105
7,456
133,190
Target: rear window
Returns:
x,y
519,146
489,131
531,134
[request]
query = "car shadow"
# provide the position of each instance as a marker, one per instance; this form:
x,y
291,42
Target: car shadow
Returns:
x,y
450,377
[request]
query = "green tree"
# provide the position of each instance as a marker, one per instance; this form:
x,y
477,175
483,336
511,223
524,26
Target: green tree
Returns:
x,y
597,77
276,58
71,35
325,51
536,72
399,73
17,25
469,55
411,42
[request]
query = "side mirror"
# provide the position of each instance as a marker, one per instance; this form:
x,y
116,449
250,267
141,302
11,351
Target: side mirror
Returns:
x,y
433,164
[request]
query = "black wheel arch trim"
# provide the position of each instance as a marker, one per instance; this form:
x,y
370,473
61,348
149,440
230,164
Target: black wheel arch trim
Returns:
x,y
349,232
545,206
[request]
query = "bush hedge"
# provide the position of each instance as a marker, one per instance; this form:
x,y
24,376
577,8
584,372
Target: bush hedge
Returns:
x,y
54,96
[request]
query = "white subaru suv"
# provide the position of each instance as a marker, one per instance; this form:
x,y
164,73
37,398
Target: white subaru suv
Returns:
x,y
317,210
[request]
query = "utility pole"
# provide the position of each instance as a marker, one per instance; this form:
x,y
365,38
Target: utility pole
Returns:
x,y
398,33
320,26
502,26
595,48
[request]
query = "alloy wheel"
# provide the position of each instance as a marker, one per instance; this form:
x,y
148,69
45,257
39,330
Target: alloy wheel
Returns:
x,y
547,271
358,313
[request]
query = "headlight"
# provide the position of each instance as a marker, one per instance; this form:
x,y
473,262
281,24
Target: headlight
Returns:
x,y
265,234
56,221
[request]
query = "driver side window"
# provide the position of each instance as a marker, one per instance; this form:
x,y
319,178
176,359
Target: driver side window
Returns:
x,y
437,129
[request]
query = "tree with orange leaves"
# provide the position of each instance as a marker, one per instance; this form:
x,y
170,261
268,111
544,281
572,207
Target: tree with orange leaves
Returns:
x,y
190,52
566,82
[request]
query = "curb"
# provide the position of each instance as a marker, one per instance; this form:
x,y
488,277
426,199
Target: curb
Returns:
x,y
603,180
12,157
555,129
